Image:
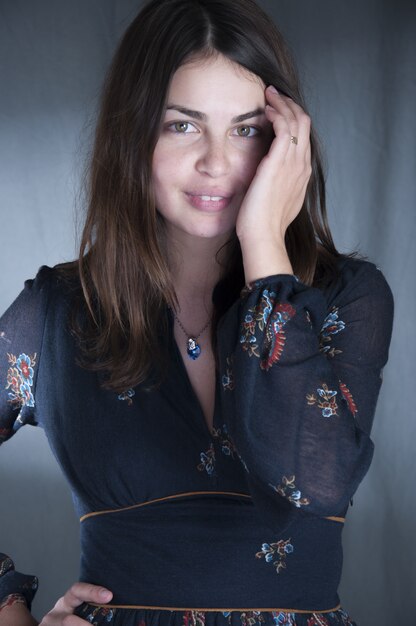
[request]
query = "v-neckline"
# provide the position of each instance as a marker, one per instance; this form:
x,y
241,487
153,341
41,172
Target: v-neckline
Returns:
x,y
189,385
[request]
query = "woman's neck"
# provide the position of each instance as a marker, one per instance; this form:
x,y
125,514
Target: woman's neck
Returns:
x,y
197,264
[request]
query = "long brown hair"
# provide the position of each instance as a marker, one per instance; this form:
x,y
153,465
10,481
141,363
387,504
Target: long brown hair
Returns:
x,y
122,267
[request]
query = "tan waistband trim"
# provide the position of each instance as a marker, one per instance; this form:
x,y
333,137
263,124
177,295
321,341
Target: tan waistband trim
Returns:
x,y
175,495
181,608
181,495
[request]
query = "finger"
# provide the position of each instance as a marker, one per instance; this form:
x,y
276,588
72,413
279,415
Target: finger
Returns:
x,y
282,146
278,104
284,105
279,99
85,592
299,122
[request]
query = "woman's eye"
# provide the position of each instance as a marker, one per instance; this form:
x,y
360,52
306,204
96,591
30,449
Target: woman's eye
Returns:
x,y
247,131
182,127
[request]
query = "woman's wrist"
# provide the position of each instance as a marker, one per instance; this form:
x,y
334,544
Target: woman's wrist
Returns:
x,y
14,612
264,258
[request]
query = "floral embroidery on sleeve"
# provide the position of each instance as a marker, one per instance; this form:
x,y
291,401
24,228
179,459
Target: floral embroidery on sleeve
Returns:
x,y
20,379
278,551
326,401
287,489
272,318
348,398
331,326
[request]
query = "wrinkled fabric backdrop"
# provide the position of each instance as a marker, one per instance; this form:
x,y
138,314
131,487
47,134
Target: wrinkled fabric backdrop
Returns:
x,y
357,61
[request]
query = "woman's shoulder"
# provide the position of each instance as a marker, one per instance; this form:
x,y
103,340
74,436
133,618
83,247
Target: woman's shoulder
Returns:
x,y
358,277
62,278
57,286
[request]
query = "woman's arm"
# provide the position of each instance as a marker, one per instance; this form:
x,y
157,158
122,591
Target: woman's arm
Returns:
x,y
301,378
277,192
21,332
16,614
21,335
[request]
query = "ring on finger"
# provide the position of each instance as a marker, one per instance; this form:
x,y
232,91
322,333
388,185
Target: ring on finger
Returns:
x,y
294,140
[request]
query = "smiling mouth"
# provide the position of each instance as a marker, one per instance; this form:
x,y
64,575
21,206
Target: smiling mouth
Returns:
x,y
207,202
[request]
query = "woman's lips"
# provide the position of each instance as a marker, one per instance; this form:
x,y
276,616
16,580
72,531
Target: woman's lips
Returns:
x,y
207,202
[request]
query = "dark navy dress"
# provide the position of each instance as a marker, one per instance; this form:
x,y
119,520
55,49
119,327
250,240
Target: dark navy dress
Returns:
x,y
240,526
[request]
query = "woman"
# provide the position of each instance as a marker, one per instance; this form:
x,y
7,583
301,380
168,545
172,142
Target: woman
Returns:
x,y
219,361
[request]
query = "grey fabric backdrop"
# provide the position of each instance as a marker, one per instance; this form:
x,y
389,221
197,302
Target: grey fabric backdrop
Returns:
x,y
357,59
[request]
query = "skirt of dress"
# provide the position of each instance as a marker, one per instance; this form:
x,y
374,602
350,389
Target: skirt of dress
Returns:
x,y
109,616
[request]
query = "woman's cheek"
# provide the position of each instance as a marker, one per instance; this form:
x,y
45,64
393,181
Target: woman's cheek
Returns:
x,y
250,162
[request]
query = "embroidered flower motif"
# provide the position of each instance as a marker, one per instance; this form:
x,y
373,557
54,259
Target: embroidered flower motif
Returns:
x,y
284,619
127,396
348,398
247,618
275,335
331,326
223,439
271,317
208,461
287,489
194,618
20,379
227,446
99,613
278,551
228,378
248,338
327,401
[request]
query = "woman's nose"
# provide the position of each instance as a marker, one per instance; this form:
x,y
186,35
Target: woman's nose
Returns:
x,y
213,159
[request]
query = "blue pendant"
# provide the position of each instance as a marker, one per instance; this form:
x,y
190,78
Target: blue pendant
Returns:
x,y
194,349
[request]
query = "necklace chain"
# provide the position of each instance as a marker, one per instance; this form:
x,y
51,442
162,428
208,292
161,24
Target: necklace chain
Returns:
x,y
193,349
187,334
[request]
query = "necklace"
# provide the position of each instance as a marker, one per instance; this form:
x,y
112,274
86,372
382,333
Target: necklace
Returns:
x,y
193,348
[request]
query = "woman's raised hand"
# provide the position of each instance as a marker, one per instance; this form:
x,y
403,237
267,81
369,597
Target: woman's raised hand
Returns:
x,y
277,191
63,612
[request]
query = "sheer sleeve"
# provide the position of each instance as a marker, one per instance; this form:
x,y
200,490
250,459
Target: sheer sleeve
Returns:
x,y
21,333
301,373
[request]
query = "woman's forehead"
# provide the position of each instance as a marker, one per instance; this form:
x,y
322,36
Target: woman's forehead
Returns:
x,y
204,82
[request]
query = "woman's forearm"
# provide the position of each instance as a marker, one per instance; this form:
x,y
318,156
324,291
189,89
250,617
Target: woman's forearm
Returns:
x,y
17,615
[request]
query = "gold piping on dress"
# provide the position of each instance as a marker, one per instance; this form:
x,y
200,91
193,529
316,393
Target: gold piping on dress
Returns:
x,y
180,495
181,608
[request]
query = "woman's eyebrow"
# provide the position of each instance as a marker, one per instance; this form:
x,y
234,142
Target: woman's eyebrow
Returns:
x,y
202,117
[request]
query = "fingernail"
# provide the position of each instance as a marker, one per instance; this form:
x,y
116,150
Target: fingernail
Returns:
x,y
273,89
105,594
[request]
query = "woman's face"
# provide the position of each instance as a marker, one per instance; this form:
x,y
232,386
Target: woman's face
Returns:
x,y
213,136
